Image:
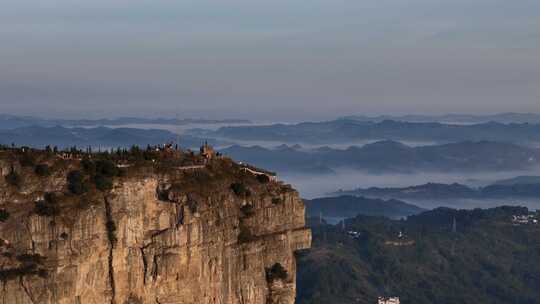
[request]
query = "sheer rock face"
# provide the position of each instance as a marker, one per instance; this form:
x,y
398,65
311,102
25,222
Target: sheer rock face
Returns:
x,y
146,241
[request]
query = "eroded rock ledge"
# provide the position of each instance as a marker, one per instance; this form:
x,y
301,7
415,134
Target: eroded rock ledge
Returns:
x,y
178,236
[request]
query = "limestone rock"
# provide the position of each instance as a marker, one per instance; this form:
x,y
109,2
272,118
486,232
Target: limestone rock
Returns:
x,y
150,239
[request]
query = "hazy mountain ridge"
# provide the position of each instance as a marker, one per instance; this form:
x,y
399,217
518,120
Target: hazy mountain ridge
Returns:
x,y
349,206
454,118
431,191
390,156
348,130
519,180
13,121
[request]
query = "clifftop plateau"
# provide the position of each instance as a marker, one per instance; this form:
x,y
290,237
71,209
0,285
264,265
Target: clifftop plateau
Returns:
x,y
145,226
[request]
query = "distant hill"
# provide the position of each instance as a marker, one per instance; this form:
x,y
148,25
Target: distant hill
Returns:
x,y
487,259
390,156
282,159
13,121
349,206
350,130
455,118
96,137
434,191
519,180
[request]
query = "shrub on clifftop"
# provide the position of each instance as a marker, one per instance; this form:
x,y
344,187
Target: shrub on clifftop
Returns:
x,y
240,189
42,170
76,183
13,178
102,182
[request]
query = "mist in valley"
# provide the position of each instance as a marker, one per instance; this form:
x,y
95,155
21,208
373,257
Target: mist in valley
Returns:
x,y
313,186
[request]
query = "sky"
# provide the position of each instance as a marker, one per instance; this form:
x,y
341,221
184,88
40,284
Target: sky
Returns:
x,y
268,60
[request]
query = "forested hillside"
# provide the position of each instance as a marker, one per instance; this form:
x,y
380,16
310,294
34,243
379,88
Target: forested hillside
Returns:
x,y
483,258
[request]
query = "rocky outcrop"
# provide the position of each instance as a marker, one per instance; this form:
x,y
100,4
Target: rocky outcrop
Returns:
x,y
153,238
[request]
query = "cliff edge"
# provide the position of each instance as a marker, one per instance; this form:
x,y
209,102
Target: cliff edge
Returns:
x,y
141,227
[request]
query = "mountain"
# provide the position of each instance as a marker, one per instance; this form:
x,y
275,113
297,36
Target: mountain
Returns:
x,y
350,130
434,191
13,121
348,206
488,259
425,191
97,137
454,118
519,180
165,227
282,159
390,156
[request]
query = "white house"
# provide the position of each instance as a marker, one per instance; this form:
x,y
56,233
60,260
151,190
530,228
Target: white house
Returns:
x,y
388,300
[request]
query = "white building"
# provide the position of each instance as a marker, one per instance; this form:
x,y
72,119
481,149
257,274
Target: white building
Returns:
x,y
524,219
388,300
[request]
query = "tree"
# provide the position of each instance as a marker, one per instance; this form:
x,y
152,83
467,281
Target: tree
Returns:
x,y
48,206
245,235
13,178
277,200
106,168
240,189
4,215
103,183
263,178
88,166
276,272
247,210
76,184
42,170
27,160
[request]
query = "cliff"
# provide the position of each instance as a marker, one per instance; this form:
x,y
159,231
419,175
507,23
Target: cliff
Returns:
x,y
153,232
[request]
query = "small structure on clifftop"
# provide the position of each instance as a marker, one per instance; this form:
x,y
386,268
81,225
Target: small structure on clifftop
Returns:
x,y
207,151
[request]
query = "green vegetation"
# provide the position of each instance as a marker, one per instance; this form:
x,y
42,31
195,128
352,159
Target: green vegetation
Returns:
x,y
247,210
48,206
102,171
13,178
240,189
486,260
276,272
76,183
263,178
102,182
25,270
245,234
277,200
42,170
29,266
4,215
106,168
30,258
27,159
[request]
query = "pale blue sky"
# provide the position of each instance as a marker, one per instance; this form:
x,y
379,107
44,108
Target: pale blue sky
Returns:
x,y
273,60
